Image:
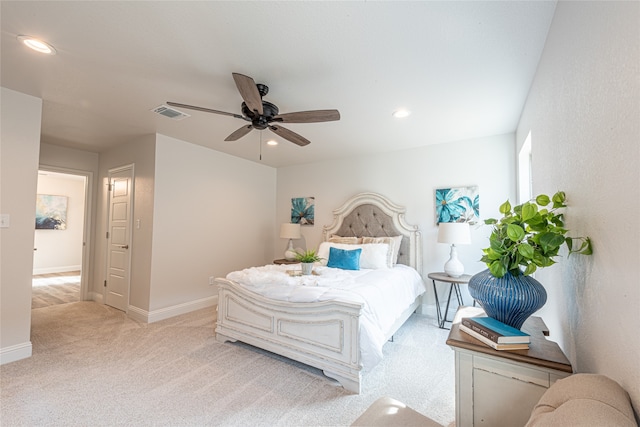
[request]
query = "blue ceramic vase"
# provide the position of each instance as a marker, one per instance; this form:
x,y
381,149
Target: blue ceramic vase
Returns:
x,y
509,299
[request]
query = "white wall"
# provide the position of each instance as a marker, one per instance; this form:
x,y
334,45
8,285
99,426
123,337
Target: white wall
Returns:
x,y
61,250
213,214
141,153
583,113
408,178
20,115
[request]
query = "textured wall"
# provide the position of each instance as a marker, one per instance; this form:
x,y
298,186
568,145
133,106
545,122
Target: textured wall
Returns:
x,y
583,114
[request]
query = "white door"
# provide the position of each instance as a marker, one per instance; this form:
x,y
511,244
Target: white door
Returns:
x,y
119,238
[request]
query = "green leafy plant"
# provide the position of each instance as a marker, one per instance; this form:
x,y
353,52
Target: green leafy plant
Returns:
x,y
529,236
307,256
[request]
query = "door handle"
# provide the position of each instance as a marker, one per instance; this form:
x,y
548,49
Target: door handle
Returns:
x,y
124,246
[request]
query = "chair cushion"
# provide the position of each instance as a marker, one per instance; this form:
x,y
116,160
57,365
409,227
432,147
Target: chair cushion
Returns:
x,y
584,400
386,412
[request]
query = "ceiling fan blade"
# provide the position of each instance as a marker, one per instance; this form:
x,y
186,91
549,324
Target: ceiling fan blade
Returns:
x,y
239,133
308,116
289,135
249,92
206,110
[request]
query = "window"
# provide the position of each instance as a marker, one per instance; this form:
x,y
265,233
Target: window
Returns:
x,y
525,178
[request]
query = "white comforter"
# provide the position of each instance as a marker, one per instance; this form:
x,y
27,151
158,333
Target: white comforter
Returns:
x,y
385,293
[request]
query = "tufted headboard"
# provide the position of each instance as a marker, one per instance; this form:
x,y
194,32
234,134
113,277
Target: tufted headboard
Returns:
x,y
373,215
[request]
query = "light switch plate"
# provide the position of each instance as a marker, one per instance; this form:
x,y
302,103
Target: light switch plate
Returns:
x,y
5,220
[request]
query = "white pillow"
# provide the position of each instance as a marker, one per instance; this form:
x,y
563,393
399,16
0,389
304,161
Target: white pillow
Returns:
x,y
394,246
373,255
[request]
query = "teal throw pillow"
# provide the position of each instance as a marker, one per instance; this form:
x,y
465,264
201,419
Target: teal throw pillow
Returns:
x,y
344,259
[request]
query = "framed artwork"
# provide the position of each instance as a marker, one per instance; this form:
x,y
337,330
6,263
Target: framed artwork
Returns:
x,y
303,210
459,204
51,212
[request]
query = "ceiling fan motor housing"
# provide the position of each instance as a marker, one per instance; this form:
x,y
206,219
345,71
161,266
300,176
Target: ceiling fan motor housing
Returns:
x,y
258,121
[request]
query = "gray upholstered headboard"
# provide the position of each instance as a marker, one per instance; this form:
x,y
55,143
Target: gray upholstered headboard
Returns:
x,y
372,215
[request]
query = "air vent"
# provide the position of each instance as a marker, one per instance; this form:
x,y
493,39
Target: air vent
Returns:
x,y
173,114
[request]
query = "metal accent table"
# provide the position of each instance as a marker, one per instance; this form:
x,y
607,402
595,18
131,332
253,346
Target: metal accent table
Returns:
x,y
455,286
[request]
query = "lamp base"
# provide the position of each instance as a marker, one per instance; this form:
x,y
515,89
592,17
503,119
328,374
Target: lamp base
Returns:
x,y
290,253
453,267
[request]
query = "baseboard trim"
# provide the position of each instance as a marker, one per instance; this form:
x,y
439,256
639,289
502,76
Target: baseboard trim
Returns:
x,y
95,296
15,352
51,270
168,312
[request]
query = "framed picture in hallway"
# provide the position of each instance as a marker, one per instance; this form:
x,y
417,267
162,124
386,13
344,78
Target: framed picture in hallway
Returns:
x,y
51,212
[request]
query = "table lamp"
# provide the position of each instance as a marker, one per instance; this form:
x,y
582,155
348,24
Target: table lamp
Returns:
x,y
290,231
455,233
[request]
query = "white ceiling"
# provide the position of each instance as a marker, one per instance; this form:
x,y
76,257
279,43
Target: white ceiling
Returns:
x,y
463,68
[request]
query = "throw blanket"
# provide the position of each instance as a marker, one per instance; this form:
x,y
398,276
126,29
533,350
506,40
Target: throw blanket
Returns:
x,y
384,293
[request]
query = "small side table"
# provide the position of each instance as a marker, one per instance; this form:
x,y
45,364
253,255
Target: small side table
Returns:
x,y
500,388
455,287
285,261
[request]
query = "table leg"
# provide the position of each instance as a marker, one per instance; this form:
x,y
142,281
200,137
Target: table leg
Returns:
x,y
438,312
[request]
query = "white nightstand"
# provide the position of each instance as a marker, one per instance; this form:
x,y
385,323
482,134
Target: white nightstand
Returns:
x,y
500,388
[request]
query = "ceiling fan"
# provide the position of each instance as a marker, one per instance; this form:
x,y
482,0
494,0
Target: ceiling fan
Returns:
x,y
265,115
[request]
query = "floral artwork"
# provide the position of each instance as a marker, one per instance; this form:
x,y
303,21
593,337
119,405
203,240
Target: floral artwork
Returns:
x,y
303,210
461,204
51,212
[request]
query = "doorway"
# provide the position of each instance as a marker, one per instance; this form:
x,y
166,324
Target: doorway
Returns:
x,y
61,261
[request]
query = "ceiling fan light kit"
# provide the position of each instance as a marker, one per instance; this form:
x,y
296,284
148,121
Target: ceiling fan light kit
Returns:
x,y
265,115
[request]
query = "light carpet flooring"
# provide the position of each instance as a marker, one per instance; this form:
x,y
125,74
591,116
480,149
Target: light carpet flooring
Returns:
x,y
94,366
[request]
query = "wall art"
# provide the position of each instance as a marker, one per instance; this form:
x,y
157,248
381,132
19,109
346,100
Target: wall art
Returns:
x,y
51,212
459,204
303,210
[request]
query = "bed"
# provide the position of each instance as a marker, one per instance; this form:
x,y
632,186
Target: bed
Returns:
x,y
326,332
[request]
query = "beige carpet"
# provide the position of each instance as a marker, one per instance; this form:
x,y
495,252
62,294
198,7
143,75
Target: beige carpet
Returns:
x,y
93,366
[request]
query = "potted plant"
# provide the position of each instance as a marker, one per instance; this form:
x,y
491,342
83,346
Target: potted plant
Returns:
x,y
527,237
307,258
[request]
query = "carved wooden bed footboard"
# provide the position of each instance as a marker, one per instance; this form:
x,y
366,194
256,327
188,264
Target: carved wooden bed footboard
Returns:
x,y
322,334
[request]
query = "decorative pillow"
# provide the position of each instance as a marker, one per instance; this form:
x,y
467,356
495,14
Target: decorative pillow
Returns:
x,y
374,255
344,259
394,246
345,240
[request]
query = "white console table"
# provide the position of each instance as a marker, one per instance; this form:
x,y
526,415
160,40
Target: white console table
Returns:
x,y
500,388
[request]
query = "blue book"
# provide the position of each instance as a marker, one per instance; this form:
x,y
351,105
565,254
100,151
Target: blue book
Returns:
x,y
495,330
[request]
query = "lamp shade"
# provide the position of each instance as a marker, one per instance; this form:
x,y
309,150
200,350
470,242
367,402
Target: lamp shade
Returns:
x,y
456,233
290,231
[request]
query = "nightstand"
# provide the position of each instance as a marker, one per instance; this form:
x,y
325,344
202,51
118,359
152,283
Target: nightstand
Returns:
x,y
285,261
500,388
454,283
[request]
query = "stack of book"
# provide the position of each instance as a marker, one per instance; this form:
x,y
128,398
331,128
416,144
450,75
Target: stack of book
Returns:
x,y
495,334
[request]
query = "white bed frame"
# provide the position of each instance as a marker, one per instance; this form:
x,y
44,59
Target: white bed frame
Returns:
x,y
325,334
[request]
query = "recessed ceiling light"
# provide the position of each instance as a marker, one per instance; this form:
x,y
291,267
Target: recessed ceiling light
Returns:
x,y
272,142
398,114
37,45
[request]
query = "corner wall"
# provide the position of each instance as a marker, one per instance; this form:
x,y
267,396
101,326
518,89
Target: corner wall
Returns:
x,y
583,112
213,214
20,115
